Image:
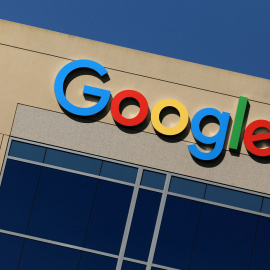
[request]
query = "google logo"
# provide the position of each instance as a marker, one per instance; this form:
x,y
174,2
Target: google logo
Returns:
x,y
217,141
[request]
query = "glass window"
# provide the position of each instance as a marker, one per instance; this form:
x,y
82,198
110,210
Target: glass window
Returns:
x,y
224,240
62,207
108,217
177,232
17,195
73,161
10,251
132,266
153,179
233,197
119,172
261,250
266,206
187,187
43,256
143,225
96,262
27,151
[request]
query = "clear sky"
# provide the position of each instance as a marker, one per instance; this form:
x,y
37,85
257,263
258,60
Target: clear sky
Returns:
x,y
228,34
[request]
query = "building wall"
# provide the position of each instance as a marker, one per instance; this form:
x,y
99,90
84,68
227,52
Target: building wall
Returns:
x,y
89,193
31,59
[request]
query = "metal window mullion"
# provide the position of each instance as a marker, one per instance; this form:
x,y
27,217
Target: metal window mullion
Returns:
x,y
4,162
158,222
129,219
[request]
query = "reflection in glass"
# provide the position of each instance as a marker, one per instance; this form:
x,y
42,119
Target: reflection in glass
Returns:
x,y
10,251
233,197
224,240
96,262
73,161
119,172
132,266
143,225
108,217
43,256
261,250
153,179
62,206
266,206
17,195
177,233
187,187
27,151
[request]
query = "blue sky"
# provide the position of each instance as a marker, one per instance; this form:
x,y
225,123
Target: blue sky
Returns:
x,y
228,34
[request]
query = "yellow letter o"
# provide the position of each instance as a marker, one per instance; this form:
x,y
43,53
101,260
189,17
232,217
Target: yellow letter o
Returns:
x,y
183,121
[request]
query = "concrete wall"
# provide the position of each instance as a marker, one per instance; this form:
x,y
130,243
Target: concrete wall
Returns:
x,y
32,57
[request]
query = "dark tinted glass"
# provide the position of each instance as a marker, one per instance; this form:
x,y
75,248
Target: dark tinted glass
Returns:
x,y
108,217
42,256
17,195
27,151
224,240
62,206
72,161
119,172
153,179
177,233
233,197
187,187
143,225
266,206
10,251
96,262
261,251
132,266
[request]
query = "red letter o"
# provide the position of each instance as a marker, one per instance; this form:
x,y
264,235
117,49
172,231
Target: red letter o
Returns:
x,y
116,104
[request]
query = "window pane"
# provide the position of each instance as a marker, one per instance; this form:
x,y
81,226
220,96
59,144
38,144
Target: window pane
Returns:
x,y
266,206
187,187
132,266
143,225
119,172
42,256
17,195
233,197
108,217
153,179
62,206
96,262
27,151
177,233
10,251
224,240
72,161
261,251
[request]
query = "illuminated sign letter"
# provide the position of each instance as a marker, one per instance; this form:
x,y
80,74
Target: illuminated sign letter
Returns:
x,y
126,121
59,88
250,138
217,139
182,124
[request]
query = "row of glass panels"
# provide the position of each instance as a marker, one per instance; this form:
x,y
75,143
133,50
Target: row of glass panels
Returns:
x,y
150,179
90,212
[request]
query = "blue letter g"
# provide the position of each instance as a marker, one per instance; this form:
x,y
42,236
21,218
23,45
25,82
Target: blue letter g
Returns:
x,y
59,88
